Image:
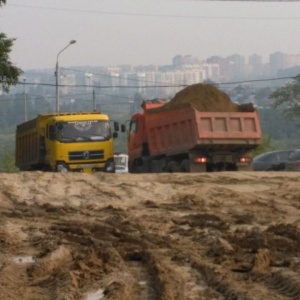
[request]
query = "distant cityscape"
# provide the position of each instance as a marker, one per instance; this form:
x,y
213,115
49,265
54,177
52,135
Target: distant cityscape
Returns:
x,y
119,90
152,81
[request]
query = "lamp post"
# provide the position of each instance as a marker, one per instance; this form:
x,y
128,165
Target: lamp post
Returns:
x,y
24,99
57,74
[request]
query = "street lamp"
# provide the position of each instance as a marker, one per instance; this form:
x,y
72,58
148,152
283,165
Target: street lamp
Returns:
x,y
24,99
57,75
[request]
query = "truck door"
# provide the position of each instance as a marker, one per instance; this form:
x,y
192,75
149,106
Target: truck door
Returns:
x,y
136,137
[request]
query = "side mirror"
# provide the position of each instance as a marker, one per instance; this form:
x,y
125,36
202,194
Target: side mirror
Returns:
x,y
123,128
116,126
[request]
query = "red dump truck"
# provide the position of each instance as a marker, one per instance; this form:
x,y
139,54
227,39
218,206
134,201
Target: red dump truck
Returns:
x,y
183,139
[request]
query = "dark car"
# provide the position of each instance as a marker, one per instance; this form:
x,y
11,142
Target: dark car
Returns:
x,y
293,162
271,161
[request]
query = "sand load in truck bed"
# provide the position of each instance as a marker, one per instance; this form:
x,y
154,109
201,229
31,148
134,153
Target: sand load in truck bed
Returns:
x,y
206,98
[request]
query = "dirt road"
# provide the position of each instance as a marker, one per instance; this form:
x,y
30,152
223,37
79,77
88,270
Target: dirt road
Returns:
x,y
150,236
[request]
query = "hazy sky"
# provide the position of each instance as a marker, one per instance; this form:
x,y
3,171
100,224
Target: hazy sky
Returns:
x,y
113,32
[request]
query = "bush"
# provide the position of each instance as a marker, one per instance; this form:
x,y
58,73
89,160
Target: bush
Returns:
x,y
7,161
265,145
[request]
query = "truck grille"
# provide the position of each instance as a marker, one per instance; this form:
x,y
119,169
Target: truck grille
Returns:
x,y
86,155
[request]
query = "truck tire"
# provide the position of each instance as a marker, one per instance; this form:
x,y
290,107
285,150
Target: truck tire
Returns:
x,y
136,169
185,166
172,167
136,166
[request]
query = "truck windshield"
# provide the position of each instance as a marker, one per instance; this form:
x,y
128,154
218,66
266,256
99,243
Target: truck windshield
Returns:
x,y
80,131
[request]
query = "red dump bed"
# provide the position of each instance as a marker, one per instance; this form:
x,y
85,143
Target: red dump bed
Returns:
x,y
174,130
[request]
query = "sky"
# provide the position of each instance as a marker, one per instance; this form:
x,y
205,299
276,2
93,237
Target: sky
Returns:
x,y
144,32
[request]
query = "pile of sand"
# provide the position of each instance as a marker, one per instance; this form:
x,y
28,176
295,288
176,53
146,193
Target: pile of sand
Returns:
x,y
205,97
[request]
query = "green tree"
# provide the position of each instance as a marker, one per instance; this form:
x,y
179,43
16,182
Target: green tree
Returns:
x,y
265,145
288,97
9,74
7,160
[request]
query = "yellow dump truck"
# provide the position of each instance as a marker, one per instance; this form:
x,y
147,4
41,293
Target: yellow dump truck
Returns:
x,y
62,142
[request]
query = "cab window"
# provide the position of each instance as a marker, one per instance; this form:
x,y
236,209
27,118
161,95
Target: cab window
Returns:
x,y
133,127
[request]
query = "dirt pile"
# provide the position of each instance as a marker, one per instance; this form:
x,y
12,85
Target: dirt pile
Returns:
x,y
179,236
205,97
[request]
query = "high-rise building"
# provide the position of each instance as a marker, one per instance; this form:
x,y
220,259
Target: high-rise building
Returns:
x,y
278,61
256,64
236,66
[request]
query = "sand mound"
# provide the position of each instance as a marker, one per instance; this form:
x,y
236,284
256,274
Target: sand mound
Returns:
x,y
168,236
205,97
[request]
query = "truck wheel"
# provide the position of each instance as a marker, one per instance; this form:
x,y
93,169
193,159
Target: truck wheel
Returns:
x,y
185,166
136,166
135,169
172,167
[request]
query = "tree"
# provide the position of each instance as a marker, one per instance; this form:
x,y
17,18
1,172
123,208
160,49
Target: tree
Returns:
x,y
264,146
9,74
288,97
7,161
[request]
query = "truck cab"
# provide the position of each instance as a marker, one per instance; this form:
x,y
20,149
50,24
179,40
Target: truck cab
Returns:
x,y
79,142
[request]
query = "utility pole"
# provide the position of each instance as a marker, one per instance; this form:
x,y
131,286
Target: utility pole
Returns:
x,y
57,76
89,76
24,99
94,100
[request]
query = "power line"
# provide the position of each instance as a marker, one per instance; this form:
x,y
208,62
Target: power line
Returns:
x,y
257,80
159,85
110,76
154,86
155,15
104,86
136,87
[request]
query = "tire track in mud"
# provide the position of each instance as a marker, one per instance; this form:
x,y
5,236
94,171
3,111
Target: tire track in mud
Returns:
x,y
169,284
236,287
178,249
233,289
153,280
270,286
143,277
147,257
286,283
207,282
127,273
10,279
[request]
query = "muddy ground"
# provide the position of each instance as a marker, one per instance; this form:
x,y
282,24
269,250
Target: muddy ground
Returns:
x,y
150,236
